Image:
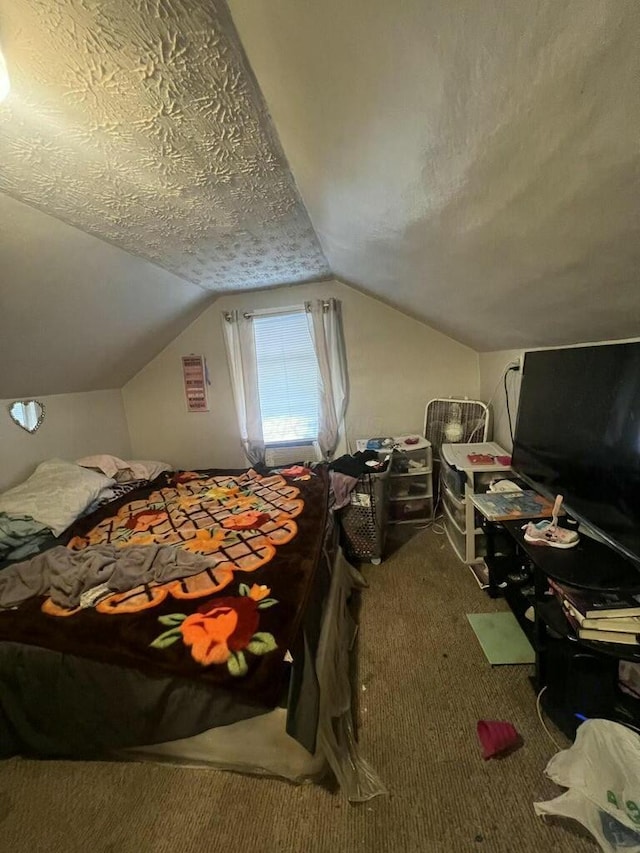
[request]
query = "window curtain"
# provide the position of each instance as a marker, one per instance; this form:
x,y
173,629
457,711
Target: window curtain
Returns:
x,y
325,325
243,368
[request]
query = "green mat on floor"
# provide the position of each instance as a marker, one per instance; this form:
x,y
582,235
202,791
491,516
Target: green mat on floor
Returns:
x,y
503,641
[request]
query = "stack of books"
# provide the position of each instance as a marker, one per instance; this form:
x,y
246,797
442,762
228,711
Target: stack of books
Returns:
x,y
603,617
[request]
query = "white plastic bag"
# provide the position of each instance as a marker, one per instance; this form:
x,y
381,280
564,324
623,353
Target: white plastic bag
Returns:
x,y
602,772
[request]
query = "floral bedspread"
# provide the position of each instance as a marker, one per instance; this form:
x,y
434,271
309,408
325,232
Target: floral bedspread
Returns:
x,y
230,624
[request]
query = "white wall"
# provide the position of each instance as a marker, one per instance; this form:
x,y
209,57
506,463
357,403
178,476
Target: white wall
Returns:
x,y
492,368
75,425
396,365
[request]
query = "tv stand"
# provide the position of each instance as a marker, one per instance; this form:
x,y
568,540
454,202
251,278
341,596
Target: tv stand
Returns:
x,y
580,676
590,565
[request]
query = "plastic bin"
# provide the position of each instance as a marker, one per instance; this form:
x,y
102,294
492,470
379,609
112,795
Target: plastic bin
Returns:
x,y
364,520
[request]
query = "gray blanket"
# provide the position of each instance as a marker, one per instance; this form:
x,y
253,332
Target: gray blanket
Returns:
x,y
65,575
20,536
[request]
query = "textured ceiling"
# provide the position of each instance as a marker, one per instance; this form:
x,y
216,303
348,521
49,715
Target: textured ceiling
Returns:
x,y
139,121
476,164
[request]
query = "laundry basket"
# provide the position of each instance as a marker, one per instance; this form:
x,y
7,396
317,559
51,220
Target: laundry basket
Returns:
x,y
364,519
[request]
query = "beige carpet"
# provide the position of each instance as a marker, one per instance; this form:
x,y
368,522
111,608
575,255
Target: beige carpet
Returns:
x,y
422,685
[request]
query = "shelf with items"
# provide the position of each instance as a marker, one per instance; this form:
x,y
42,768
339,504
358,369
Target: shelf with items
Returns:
x,y
590,568
410,477
461,478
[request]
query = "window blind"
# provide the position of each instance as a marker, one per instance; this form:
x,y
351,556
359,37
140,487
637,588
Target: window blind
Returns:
x,y
288,379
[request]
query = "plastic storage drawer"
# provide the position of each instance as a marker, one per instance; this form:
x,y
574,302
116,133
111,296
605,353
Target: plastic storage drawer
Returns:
x,y
454,480
456,508
410,510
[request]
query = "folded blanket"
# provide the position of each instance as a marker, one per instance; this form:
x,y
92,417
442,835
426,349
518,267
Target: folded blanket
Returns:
x,y
20,535
65,575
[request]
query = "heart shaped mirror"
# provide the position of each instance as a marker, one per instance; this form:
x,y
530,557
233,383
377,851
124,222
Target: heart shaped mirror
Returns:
x,y
28,414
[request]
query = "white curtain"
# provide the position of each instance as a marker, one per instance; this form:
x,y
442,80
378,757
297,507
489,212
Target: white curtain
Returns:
x,y
325,325
243,368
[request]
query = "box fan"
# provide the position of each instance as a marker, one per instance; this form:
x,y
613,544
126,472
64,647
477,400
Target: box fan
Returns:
x,y
454,421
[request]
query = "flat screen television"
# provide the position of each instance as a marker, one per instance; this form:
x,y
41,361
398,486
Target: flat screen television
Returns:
x,y
578,435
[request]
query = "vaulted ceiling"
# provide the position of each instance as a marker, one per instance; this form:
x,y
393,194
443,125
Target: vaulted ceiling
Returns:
x,y
476,165
139,121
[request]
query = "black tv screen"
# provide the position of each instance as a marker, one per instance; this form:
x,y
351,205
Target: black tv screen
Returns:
x,y
578,435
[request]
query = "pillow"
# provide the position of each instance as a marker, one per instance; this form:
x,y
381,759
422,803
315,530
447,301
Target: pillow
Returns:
x,y
55,494
141,469
112,493
124,472
109,465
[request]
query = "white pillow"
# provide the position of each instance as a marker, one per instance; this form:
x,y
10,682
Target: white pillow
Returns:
x,y
124,472
109,465
141,469
55,494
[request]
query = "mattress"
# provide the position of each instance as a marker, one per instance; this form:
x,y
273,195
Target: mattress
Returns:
x,y
80,681
89,683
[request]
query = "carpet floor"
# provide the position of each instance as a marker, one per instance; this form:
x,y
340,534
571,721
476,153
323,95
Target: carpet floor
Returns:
x,y
422,683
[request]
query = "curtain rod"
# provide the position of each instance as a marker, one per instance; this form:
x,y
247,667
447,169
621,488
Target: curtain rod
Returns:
x,y
265,312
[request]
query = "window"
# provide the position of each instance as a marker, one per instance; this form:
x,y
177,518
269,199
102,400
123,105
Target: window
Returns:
x,y
288,379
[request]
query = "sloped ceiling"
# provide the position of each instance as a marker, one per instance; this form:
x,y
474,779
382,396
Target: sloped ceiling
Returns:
x,y
140,122
77,314
474,163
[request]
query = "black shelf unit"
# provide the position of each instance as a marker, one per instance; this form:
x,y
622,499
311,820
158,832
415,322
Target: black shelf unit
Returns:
x,y
580,675
590,565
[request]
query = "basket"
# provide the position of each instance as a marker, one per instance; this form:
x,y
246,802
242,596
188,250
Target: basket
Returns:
x,y
364,520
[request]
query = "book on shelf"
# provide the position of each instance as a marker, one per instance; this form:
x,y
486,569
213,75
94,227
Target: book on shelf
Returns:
x,y
601,604
503,506
608,637
626,624
600,632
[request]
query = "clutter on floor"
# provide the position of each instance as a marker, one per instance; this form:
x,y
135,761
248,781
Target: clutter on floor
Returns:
x,y
601,771
497,738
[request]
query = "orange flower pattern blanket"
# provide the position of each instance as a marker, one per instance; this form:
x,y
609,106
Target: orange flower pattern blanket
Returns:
x,y
230,624
238,521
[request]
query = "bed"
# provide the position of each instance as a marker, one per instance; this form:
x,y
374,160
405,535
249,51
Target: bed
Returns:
x,y
201,618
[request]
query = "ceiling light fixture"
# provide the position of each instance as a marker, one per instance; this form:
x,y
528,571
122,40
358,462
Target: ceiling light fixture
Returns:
x,y
5,85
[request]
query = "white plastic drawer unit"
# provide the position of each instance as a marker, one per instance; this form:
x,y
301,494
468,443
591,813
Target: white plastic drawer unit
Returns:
x,y
410,474
456,507
469,547
460,478
456,537
418,486
453,479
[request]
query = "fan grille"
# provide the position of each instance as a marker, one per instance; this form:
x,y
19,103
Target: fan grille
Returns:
x,y
440,414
